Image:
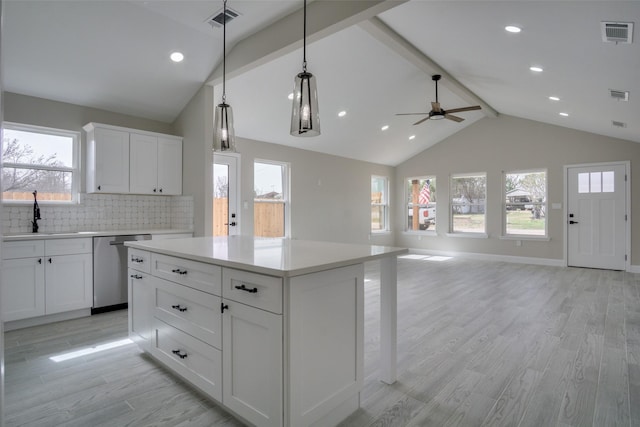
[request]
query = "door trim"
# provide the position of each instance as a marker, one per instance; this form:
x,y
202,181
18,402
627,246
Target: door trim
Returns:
x,y
627,227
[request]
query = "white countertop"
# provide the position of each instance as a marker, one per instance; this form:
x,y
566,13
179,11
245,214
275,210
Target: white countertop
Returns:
x,y
276,257
12,237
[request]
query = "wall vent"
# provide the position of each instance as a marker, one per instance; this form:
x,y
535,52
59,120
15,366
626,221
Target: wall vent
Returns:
x,y
619,95
617,32
617,124
217,19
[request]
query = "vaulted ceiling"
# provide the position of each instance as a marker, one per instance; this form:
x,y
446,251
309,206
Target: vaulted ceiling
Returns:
x,y
372,59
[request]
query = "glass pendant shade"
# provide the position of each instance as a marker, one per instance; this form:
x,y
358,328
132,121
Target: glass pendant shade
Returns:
x,y
305,117
224,138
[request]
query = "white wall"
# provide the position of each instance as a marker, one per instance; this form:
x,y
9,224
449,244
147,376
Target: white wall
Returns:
x,y
504,144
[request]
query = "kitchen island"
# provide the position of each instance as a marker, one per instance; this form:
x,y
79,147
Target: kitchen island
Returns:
x,y
272,329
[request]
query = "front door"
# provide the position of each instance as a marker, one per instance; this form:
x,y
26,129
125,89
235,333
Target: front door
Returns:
x,y
596,216
225,210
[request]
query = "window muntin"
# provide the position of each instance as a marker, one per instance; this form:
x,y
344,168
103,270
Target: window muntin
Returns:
x,y
525,203
421,203
42,159
596,182
468,203
379,203
270,202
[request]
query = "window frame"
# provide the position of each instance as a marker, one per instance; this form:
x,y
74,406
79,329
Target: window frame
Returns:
x,y
452,231
286,193
384,204
75,169
405,205
514,236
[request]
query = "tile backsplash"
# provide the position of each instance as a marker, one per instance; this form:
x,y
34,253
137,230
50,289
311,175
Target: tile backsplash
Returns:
x,y
102,212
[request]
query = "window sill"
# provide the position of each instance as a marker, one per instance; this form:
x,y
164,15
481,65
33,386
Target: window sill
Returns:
x,y
469,235
380,233
525,237
420,233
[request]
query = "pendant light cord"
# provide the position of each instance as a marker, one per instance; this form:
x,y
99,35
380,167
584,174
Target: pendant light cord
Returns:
x,y
304,39
224,51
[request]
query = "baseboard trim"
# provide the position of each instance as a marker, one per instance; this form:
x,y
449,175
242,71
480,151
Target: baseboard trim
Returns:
x,y
41,320
492,257
634,269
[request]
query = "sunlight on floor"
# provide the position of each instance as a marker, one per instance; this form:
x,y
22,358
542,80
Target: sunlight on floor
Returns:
x,y
435,258
90,350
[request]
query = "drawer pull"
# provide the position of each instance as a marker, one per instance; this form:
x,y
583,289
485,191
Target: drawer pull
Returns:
x,y
250,290
39,260
138,260
179,308
223,307
178,271
136,276
179,353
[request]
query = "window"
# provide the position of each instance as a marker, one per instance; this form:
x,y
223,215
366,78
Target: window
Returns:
x,y
468,201
39,159
270,200
379,203
525,203
596,182
421,203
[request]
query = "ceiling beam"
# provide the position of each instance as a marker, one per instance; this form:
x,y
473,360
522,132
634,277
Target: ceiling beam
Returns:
x,y
387,36
285,36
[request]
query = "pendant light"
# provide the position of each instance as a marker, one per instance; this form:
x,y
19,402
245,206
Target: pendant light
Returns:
x,y
305,117
224,138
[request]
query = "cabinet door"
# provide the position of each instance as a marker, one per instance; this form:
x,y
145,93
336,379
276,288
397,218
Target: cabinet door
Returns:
x,y
140,308
252,363
169,166
69,283
112,161
143,168
22,288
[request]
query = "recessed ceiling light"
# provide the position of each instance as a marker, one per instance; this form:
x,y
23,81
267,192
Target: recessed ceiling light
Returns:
x,y
177,56
564,114
513,29
554,98
536,69
412,137
385,127
342,113
290,96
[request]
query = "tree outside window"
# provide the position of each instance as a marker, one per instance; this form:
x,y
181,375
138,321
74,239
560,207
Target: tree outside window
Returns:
x,y
525,203
421,203
39,159
468,203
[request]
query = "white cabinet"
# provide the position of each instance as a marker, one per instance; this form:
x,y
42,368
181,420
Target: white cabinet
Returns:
x,y
123,160
107,159
57,279
140,309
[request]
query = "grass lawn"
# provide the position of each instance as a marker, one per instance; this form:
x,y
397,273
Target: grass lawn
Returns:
x,y
521,222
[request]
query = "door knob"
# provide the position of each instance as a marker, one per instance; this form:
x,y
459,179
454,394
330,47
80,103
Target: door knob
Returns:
x,y
233,224
573,222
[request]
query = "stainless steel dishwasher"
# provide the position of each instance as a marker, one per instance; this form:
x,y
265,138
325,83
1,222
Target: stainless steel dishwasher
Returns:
x,y
110,272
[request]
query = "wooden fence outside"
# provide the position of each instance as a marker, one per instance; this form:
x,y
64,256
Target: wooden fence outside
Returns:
x,y
268,218
28,196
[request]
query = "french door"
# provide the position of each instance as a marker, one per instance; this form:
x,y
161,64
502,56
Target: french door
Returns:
x,y
597,215
226,218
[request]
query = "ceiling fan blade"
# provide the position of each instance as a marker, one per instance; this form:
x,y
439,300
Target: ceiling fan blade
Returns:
x,y
454,118
410,114
435,106
459,110
420,121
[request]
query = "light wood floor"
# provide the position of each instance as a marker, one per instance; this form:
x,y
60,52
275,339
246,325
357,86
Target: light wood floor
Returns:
x,y
480,343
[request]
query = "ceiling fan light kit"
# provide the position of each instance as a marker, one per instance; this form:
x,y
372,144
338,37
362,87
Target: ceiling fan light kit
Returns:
x,y
437,113
224,138
305,116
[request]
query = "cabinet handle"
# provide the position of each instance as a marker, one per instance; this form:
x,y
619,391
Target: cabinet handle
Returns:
x,y
99,187
49,260
154,190
178,271
223,307
39,260
180,309
250,290
179,353
161,190
138,260
136,276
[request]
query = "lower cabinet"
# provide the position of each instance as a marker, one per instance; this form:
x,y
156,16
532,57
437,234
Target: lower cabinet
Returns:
x,y
140,307
69,282
22,288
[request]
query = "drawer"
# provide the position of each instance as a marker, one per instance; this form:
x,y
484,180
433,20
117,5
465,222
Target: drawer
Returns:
x,y
197,275
253,289
68,246
192,359
23,249
194,312
139,260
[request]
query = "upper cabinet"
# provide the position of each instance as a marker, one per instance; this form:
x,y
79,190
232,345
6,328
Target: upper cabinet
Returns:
x,y
122,160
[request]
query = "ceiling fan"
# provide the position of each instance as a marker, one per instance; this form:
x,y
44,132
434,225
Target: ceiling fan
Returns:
x,y
438,113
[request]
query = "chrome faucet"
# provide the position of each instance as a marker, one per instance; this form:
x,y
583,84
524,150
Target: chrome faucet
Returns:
x,y
36,212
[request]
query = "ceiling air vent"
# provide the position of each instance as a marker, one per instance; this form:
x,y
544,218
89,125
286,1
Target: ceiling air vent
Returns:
x,y
619,95
217,19
617,124
617,32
